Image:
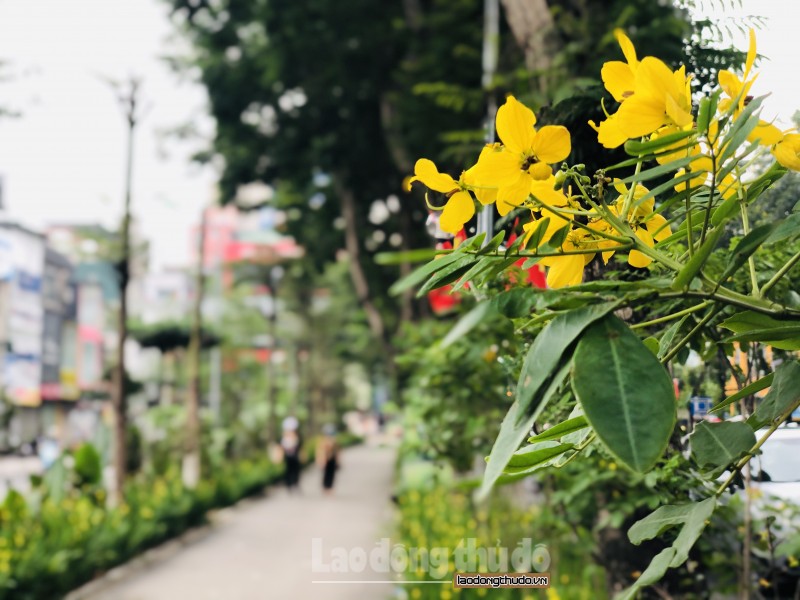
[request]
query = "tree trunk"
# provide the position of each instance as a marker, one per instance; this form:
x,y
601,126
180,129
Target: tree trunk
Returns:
x,y
191,458
357,274
119,400
533,29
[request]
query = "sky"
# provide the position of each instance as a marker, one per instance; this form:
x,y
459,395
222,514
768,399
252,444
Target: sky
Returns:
x,y
63,159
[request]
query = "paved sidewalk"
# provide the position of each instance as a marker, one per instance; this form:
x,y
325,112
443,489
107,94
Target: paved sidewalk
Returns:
x,y
263,549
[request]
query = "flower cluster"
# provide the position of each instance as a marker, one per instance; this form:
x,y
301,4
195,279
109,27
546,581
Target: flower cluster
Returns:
x,y
571,221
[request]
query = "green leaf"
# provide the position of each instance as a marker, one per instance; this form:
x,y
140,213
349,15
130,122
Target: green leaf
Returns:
x,y
747,390
692,268
751,326
658,171
557,239
692,518
516,302
562,429
659,521
743,126
653,573
786,337
408,256
746,247
493,244
422,273
636,148
626,394
782,396
538,233
652,345
449,273
785,229
704,113
467,323
749,320
665,343
719,444
725,211
534,455
473,273
548,350
512,432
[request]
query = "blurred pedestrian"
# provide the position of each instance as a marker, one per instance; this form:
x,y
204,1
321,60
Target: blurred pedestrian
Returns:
x,y
291,448
327,457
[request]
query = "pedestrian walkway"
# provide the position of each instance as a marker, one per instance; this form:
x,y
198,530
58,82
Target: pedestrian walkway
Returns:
x,y
262,549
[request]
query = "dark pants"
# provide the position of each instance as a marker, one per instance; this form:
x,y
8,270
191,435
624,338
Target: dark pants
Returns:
x,y
292,474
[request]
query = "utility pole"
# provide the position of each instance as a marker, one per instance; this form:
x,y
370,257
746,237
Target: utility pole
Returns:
x,y
491,37
191,457
129,100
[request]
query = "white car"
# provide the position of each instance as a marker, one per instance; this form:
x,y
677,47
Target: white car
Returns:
x,y
779,462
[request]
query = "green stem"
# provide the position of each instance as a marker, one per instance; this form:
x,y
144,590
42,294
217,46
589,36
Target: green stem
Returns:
x,y
689,239
738,300
700,324
781,272
626,206
603,234
672,316
751,262
707,216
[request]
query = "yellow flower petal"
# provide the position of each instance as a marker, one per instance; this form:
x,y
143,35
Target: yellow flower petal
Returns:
x,y
512,196
618,79
658,227
637,258
426,172
515,123
627,47
766,134
608,133
459,209
564,270
751,54
551,144
484,194
640,115
543,191
678,113
496,168
787,152
730,83
655,78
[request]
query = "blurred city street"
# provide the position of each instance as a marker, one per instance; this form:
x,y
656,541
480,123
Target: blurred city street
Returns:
x,y
263,548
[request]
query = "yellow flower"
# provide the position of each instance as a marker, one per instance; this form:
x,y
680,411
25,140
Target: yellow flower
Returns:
x,y
661,97
459,207
787,151
618,76
524,156
650,96
567,270
647,226
737,90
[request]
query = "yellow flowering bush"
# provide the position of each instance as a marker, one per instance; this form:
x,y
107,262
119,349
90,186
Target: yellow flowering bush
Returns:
x,y
602,348
51,545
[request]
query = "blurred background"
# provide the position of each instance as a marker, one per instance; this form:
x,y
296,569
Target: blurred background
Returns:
x,y
216,187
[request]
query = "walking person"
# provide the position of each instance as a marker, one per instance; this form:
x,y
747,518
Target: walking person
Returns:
x,y
291,446
327,457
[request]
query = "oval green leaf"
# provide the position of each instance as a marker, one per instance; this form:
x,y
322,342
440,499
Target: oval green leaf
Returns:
x,y
626,394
